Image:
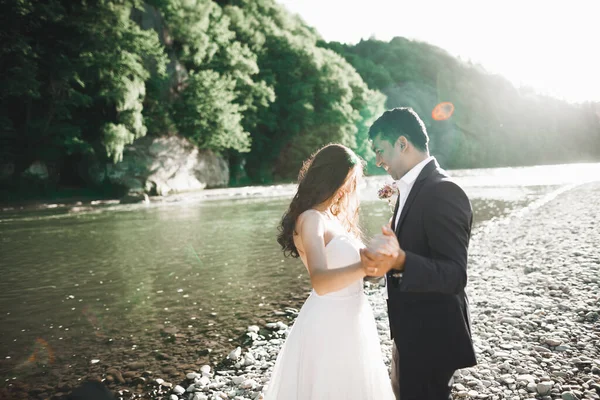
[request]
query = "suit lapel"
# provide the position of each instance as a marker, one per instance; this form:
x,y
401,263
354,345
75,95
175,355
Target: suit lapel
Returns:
x,y
427,170
395,212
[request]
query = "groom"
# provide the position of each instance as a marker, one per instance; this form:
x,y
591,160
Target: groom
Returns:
x,y
426,272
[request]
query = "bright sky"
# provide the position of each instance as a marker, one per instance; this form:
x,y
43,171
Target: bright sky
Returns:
x,y
550,45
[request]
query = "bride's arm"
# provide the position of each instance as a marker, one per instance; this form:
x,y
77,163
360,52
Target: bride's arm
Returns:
x,y
312,234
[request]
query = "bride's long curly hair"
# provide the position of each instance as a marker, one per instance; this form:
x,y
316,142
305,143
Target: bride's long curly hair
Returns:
x,y
321,177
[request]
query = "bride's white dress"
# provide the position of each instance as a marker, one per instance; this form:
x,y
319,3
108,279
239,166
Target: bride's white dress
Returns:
x,y
332,351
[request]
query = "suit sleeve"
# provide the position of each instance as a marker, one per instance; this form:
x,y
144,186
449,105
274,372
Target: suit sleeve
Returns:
x,y
447,222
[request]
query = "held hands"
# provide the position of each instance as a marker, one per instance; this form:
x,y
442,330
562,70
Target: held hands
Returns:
x,y
382,254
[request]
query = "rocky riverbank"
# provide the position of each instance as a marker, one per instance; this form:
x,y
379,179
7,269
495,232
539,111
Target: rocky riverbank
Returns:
x,y
535,293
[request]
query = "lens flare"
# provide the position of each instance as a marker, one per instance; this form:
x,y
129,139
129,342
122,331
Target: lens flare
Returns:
x,y
195,254
442,111
94,321
41,345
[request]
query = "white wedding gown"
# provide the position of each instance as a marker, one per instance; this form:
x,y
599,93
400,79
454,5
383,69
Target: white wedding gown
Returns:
x,y
332,351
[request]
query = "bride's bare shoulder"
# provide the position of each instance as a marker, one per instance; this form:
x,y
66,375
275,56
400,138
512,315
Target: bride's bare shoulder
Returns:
x,y
311,216
311,222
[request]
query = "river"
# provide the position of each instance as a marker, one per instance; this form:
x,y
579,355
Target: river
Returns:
x,y
177,281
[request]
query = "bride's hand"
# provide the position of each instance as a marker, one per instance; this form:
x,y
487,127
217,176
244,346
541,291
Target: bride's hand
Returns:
x,y
384,253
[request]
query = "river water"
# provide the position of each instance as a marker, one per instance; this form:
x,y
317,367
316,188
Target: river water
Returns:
x,y
177,282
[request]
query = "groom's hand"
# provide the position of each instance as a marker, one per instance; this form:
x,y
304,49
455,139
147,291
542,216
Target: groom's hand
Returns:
x,y
375,264
386,243
384,253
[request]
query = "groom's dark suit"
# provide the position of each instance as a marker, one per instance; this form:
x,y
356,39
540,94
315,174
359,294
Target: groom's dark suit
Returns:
x,y
427,304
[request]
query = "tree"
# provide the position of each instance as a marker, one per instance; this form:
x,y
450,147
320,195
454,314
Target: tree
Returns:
x,y
73,79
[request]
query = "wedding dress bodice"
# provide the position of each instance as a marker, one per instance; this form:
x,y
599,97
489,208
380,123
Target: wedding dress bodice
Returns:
x,y
342,251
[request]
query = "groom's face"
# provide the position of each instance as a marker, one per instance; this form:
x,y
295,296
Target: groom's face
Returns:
x,y
388,157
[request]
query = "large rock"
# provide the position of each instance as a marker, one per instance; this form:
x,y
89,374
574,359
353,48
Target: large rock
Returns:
x,y
164,165
37,170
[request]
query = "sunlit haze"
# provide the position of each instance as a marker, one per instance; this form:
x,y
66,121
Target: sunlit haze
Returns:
x,y
549,46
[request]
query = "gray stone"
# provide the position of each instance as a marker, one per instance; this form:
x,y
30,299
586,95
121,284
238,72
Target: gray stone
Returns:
x,y
569,396
281,325
249,359
249,384
541,349
178,390
238,379
235,354
553,342
205,369
37,170
544,388
132,198
526,378
203,381
163,165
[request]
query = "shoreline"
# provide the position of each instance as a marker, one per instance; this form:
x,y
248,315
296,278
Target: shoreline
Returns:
x,y
84,199
529,341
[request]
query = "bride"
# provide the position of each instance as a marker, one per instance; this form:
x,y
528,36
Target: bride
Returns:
x,y
333,350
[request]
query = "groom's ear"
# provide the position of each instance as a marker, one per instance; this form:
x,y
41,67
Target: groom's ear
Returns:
x,y
401,142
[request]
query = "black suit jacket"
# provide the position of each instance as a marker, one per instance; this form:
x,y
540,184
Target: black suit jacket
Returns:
x,y
428,307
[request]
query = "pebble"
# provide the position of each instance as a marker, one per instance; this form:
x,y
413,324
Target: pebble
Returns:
x,y
569,396
178,390
553,342
526,378
541,349
544,388
205,369
235,354
238,379
203,381
248,384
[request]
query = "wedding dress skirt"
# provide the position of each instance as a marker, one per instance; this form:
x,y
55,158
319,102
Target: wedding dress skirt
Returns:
x,y
332,351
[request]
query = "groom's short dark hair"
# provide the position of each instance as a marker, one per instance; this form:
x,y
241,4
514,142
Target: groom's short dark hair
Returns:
x,y
401,121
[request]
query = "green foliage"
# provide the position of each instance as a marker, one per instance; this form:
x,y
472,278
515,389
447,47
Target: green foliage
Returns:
x,y
217,104
73,78
319,97
213,122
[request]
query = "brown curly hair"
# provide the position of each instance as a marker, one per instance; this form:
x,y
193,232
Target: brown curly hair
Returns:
x,y
320,178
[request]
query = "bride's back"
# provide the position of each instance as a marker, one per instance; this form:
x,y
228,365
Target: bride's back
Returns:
x,y
341,249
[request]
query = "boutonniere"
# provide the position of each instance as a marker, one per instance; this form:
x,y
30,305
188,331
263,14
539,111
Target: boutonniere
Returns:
x,y
388,192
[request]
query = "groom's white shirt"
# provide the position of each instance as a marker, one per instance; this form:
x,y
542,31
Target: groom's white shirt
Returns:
x,y
404,185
